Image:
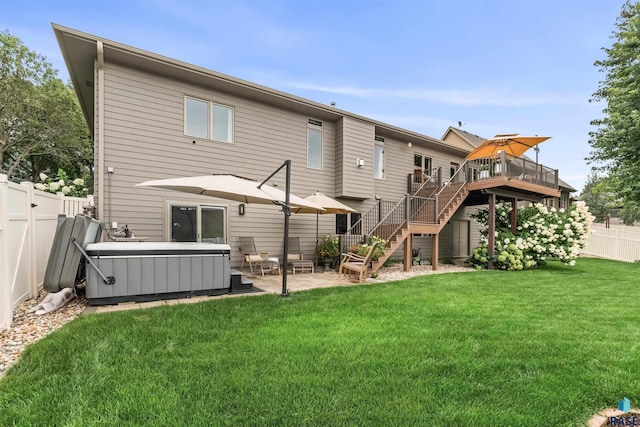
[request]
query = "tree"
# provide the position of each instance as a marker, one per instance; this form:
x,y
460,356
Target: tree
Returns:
x,y
597,195
616,141
41,124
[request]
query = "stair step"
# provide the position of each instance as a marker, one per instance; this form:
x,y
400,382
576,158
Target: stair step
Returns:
x,y
240,283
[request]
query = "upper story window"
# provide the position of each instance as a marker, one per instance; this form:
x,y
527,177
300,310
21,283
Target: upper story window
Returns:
x,y
196,118
453,168
378,158
314,144
205,119
422,166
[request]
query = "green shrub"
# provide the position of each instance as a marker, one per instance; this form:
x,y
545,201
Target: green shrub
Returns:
x,y
62,184
541,234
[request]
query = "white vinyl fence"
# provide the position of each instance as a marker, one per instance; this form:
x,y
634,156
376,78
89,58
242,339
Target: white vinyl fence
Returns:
x,y
619,242
28,220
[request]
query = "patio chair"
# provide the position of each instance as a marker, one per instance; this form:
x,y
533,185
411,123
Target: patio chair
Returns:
x,y
259,260
354,263
295,257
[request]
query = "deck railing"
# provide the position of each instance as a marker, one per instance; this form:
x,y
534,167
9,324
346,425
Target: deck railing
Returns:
x,y
512,167
428,200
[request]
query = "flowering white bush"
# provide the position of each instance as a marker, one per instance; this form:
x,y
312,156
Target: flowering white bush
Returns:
x,y
541,234
63,184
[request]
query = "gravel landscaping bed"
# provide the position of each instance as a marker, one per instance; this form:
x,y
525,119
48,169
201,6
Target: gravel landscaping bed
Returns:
x,y
395,272
29,327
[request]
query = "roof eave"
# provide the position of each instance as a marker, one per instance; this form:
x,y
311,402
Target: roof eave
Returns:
x,y
80,63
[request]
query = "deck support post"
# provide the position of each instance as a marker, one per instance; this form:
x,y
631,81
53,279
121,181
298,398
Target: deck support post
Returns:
x,y
436,243
408,242
492,230
514,215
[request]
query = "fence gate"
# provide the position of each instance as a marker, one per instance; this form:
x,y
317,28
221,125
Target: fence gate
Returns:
x,y
28,220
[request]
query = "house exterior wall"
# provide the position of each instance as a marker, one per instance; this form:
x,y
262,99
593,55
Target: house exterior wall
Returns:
x,y
357,143
339,159
457,141
96,134
144,140
399,164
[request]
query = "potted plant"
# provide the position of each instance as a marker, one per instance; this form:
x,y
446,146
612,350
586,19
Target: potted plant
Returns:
x,y
328,250
363,249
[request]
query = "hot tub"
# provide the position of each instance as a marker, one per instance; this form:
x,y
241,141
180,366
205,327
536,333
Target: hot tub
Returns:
x,y
147,271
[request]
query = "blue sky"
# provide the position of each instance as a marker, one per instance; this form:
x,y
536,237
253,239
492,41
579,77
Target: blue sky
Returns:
x,y
498,66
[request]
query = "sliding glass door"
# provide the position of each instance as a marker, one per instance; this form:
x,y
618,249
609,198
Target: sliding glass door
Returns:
x,y
197,223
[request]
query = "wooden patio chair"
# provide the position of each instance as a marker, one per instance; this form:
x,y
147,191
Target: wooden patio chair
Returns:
x,y
296,257
354,263
261,261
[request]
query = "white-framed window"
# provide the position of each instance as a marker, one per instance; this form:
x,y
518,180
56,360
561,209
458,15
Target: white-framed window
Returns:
x,y
378,158
422,166
222,120
314,144
196,117
208,120
193,222
453,168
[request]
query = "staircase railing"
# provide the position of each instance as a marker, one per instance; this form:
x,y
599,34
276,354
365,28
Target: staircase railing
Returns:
x,y
459,177
431,178
385,222
392,221
423,209
362,228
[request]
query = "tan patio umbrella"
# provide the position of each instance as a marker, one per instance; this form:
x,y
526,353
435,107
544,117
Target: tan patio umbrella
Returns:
x,y
512,144
231,187
331,206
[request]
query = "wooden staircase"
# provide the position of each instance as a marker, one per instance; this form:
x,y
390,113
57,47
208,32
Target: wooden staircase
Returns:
x,y
450,196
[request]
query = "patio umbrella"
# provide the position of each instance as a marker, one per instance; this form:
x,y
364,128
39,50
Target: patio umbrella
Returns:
x,y
231,187
331,206
512,144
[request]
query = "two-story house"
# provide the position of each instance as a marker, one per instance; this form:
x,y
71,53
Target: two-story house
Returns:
x,y
154,117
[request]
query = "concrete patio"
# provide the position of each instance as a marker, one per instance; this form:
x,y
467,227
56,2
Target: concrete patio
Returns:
x,y
270,283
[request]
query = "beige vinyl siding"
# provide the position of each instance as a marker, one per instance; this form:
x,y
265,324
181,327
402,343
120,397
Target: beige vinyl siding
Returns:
x,y
456,141
339,156
358,137
398,163
144,132
96,136
441,160
464,213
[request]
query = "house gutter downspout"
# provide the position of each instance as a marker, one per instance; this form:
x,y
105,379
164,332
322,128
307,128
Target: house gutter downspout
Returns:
x,y
100,135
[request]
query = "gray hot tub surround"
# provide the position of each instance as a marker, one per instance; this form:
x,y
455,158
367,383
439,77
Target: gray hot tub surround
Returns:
x,y
156,270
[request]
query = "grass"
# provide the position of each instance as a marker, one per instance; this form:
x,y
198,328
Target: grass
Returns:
x,y
534,348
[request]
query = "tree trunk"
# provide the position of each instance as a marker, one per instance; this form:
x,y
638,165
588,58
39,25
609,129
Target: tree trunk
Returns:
x,y
17,161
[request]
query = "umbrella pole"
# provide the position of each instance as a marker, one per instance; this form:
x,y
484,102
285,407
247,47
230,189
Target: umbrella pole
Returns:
x,y
287,213
317,238
286,210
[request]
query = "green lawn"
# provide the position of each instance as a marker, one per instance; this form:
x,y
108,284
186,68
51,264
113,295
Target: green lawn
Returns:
x,y
547,347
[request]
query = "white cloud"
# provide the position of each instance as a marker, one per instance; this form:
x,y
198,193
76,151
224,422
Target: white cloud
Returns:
x,y
484,96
